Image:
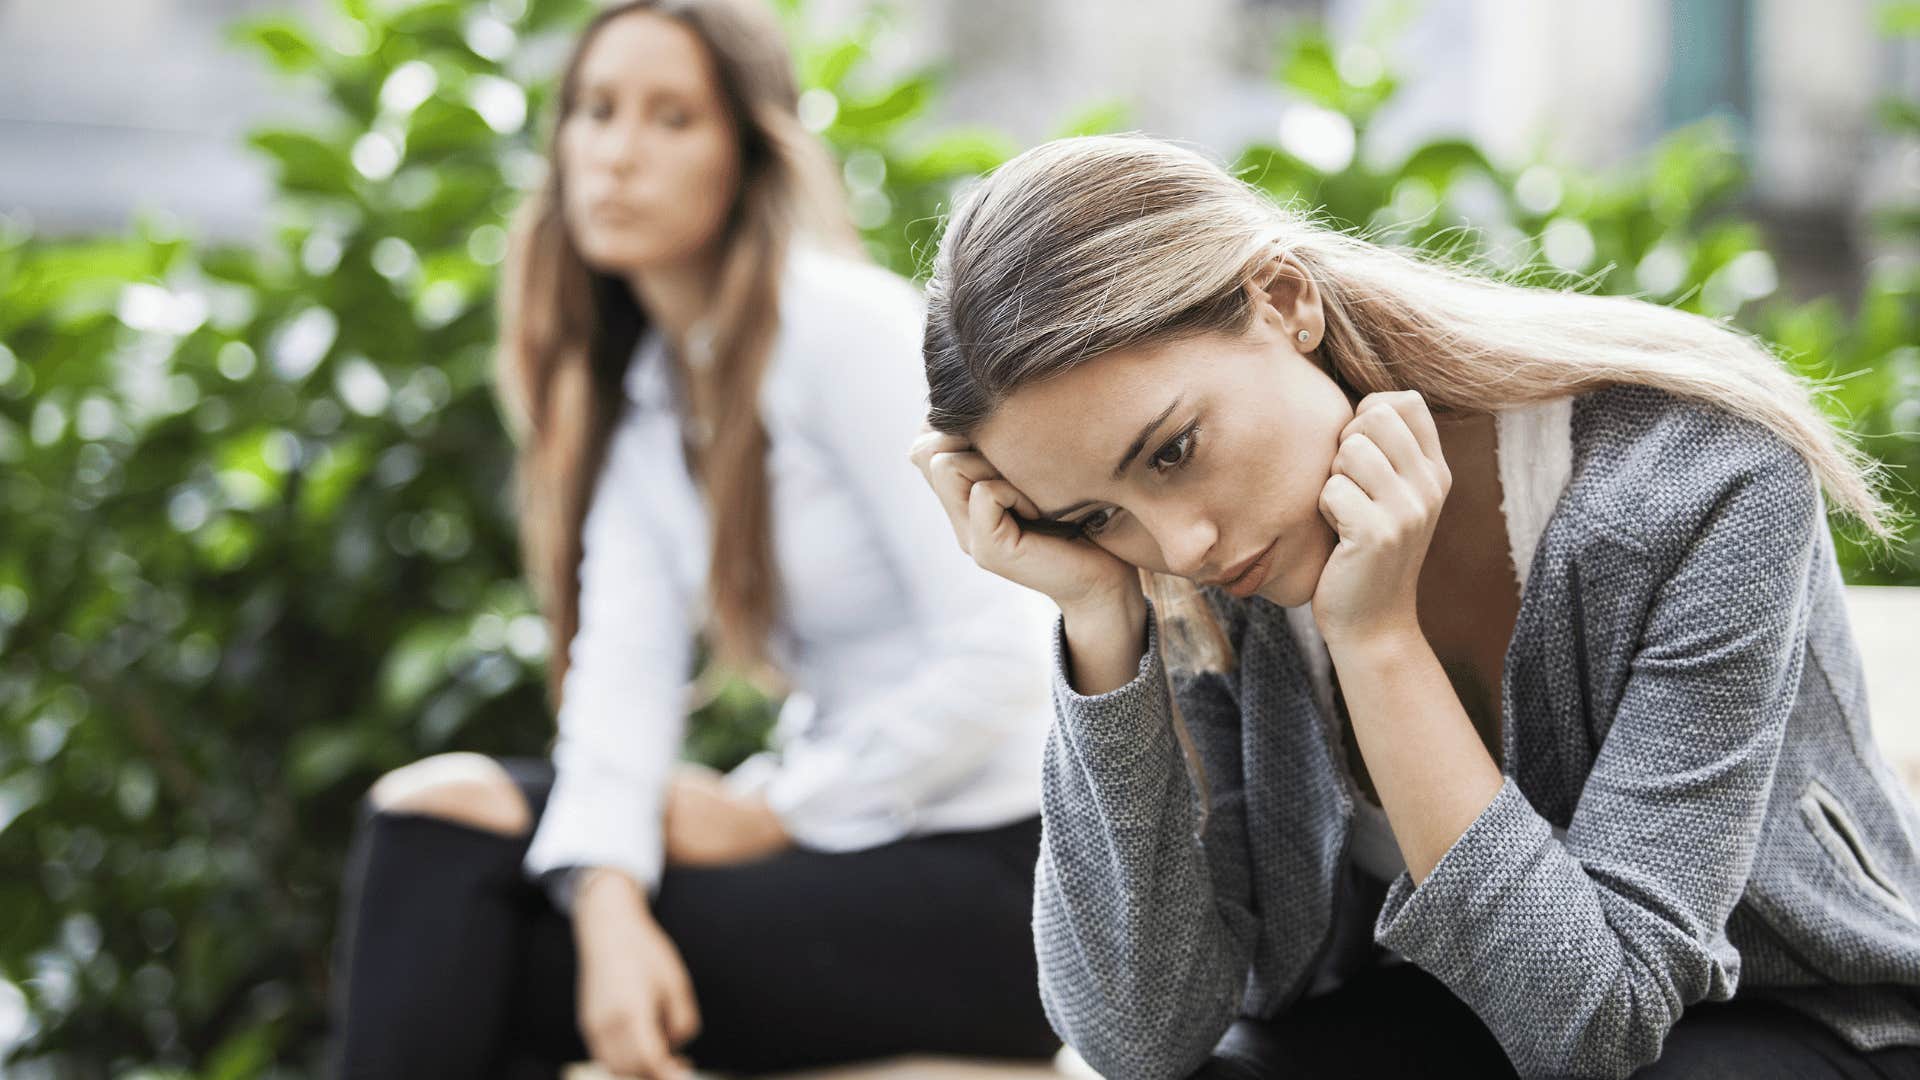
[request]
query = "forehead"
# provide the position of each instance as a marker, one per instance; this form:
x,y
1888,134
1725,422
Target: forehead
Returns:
x,y
1058,440
642,49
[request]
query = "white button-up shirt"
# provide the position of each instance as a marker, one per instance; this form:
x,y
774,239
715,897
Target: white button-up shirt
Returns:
x,y
920,681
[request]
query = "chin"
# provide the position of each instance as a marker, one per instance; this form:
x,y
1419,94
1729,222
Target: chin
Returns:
x,y
1294,584
619,257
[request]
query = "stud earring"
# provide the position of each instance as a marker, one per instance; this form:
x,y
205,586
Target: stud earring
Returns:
x,y
1303,336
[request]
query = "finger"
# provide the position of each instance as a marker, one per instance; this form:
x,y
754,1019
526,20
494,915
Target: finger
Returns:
x,y
1389,431
1413,410
630,1047
988,522
952,470
681,1008
1362,460
932,442
1346,507
952,475
651,1057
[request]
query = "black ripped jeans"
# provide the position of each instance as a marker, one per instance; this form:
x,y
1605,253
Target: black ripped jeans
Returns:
x,y
450,963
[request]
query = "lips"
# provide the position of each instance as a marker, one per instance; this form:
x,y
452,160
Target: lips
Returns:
x,y
1244,579
607,208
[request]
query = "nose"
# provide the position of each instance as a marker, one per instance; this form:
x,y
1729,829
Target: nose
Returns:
x,y
1187,539
618,147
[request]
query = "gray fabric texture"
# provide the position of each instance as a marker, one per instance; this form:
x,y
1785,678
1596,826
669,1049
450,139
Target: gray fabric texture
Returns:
x,y
1682,696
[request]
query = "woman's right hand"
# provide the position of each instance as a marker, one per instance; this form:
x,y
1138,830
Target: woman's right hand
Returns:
x,y
636,1004
980,503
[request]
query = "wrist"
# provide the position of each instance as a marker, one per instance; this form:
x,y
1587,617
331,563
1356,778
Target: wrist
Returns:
x,y
1389,643
598,889
1124,606
1104,644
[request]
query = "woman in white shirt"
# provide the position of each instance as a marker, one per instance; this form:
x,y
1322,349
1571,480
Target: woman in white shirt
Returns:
x,y
714,419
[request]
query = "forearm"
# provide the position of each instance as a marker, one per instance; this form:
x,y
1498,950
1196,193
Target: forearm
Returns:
x,y
1105,641
1427,762
1141,964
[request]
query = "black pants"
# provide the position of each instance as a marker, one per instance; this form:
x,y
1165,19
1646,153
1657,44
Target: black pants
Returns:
x,y
1400,1021
450,963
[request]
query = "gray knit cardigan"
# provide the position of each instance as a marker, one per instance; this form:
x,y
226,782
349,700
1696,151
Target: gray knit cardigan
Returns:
x,y
1682,696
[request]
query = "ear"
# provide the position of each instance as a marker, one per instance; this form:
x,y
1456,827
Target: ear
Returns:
x,y
1285,299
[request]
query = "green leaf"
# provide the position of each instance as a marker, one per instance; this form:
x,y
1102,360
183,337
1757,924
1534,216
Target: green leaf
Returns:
x,y
321,757
1098,119
243,1056
282,40
872,115
307,163
1900,114
440,127
417,662
1439,162
1307,68
965,152
1277,172
1898,18
827,67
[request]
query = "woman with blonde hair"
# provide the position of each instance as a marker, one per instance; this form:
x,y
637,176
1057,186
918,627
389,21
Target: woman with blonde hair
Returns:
x,y
710,396
1489,706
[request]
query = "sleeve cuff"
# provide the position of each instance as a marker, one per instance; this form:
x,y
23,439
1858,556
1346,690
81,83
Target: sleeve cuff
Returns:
x,y
1122,713
560,885
1441,924
589,824
823,803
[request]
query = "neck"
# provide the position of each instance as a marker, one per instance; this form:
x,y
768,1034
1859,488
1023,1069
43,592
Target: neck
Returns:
x,y
1471,523
676,295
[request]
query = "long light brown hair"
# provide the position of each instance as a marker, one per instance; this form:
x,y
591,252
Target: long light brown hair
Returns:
x,y
568,333
1083,246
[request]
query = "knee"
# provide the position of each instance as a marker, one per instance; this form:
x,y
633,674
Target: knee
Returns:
x,y
463,788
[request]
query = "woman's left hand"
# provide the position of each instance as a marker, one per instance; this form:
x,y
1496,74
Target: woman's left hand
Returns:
x,y
707,825
1389,482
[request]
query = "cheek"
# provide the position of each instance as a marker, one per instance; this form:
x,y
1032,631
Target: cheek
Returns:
x,y
1307,556
704,182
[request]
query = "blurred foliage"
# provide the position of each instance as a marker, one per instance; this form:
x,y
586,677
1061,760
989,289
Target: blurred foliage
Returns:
x,y
1666,228
259,541
1871,355
259,546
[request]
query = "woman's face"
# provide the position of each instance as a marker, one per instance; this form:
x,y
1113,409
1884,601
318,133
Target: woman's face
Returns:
x,y
1191,457
649,154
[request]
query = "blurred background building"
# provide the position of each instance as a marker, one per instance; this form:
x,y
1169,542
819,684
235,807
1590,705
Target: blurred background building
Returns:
x,y
107,106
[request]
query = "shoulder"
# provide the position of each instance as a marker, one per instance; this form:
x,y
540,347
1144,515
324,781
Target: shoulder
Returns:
x,y
1655,468
836,309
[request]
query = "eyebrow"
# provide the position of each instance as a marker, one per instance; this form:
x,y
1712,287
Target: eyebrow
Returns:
x,y
1140,440
1133,451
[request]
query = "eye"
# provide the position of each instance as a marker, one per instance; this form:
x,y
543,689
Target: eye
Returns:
x,y
1176,452
676,118
1095,523
600,108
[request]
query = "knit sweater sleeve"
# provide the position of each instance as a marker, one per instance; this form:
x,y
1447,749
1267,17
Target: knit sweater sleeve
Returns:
x,y
1143,919
1580,954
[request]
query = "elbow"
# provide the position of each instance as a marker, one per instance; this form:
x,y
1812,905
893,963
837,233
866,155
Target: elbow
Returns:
x,y
1126,1026
1621,1032
1128,1044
